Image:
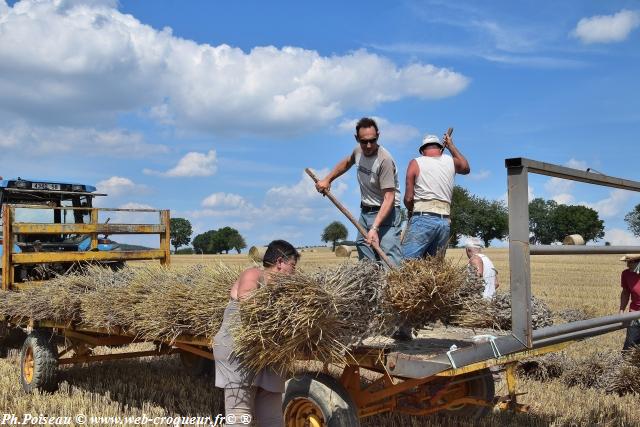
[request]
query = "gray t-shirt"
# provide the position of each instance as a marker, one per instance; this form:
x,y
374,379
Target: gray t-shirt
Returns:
x,y
376,173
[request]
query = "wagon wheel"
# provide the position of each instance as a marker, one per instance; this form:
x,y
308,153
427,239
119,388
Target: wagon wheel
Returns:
x,y
479,386
39,362
318,400
197,366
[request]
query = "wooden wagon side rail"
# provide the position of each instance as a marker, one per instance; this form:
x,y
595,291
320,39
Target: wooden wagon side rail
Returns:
x,y
13,228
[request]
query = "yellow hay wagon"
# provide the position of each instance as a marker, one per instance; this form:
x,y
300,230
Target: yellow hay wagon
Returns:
x,y
446,372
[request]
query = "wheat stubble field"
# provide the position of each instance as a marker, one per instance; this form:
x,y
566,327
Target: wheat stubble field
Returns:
x,y
159,386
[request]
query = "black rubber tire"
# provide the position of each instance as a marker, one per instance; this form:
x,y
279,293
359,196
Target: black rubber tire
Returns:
x,y
335,403
197,366
481,386
42,346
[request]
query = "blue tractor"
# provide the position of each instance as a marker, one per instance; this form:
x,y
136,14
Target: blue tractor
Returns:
x,y
47,194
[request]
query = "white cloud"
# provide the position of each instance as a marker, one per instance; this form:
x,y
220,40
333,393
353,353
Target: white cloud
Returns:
x,y
284,206
225,200
612,205
118,185
576,164
620,237
389,132
563,198
480,175
41,140
92,63
192,164
301,193
607,28
560,189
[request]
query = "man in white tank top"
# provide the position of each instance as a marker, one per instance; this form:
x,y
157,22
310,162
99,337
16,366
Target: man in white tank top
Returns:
x,y
483,267
429,187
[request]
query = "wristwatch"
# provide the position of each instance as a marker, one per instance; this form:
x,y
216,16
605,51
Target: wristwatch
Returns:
x,y
375,228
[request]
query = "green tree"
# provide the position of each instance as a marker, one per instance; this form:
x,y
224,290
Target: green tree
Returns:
x,y
180,232
577,220
334,232
460,214
218,241
541,221
633,221
202,243
489,219
228,238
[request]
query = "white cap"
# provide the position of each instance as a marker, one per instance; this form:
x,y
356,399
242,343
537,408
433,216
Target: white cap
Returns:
x,y
429,139
474,242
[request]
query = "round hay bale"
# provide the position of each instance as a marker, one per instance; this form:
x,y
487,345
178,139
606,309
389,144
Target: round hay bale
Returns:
x,y
574,239
256,253
344,251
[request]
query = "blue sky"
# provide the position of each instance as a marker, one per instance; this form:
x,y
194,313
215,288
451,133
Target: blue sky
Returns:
x,y
213,109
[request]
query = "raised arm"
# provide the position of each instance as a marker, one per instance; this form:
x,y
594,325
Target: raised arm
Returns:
x,y
342,166
459,161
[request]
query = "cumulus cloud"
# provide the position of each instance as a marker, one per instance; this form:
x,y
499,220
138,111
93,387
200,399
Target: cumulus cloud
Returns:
x,y
301,193
93,63
225,200
192,164
118,186
389,132
41,140
620,237
612,205
299,202
607,28
560,189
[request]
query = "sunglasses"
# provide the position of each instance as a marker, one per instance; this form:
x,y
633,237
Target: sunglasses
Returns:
x,y
368,141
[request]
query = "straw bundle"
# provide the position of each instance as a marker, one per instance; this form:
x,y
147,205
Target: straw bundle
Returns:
x,y
256,253
592,371
626,378
344,251
576,314
545,368
422,291
152,301
318,315
496,313
161,303
57,300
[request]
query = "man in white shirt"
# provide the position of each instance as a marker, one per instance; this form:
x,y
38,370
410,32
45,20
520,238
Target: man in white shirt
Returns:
x,y
481,266
429,187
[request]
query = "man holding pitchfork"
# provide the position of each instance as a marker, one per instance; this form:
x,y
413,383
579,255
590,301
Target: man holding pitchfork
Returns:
x,y
429,187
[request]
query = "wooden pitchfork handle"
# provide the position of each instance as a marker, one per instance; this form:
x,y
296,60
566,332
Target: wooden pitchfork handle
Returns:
x,y
449,132
350,217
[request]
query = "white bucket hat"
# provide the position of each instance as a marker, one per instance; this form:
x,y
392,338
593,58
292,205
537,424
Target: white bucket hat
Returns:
x,y
473,243
429,139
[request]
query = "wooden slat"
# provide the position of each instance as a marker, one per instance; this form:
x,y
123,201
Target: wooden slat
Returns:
x,y
39,257
35,228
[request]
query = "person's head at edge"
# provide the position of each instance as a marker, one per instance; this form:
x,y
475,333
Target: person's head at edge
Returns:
x,y
280,256
473,247
367,135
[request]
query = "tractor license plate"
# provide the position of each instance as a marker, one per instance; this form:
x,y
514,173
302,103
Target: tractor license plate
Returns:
x,y
44,186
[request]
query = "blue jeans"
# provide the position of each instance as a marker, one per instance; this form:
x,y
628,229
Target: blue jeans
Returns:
x,y
633,335
389,235
425,235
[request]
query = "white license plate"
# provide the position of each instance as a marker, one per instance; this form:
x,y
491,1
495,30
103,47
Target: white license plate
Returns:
x,y
44,186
